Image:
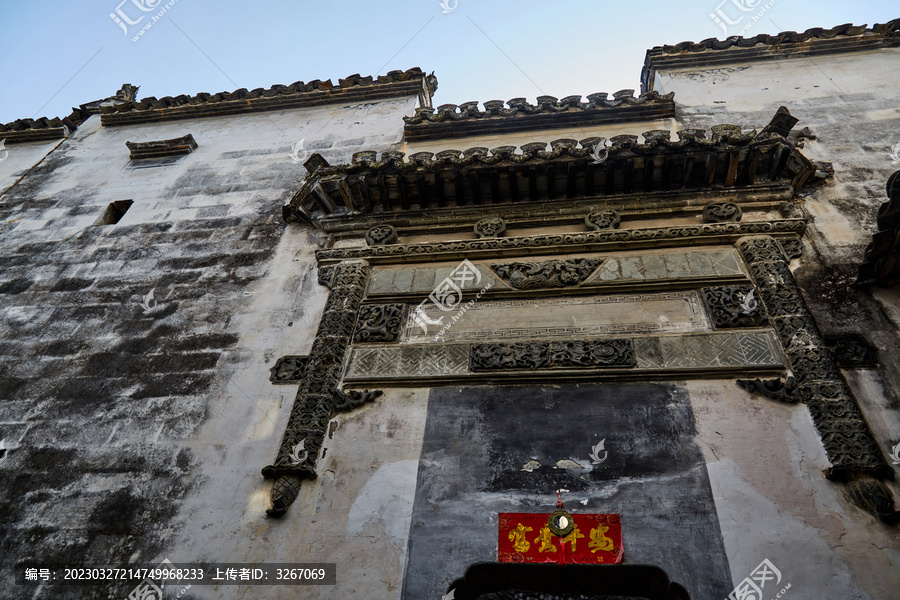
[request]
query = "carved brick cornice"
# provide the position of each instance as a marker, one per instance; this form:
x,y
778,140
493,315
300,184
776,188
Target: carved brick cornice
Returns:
x,y
451,120
735,49
278,97
561,243
728,159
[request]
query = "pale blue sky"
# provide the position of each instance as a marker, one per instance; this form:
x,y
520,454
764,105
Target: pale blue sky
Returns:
x,y
59,54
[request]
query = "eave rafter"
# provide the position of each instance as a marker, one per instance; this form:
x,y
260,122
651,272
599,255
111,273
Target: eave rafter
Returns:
x,y
726,159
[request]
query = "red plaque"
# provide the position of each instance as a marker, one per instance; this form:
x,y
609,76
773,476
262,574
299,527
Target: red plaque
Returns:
x,y
526,537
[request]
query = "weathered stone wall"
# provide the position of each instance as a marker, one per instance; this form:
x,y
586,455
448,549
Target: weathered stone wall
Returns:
x,y
132,435
765,460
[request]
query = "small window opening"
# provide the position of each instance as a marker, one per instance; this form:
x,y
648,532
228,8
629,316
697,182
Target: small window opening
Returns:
x,y
114,212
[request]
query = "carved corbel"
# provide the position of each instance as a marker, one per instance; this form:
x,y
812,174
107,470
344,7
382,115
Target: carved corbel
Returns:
x,y
773,389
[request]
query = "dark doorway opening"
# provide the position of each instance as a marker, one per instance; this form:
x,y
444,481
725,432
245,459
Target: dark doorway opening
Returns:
x,y
509,581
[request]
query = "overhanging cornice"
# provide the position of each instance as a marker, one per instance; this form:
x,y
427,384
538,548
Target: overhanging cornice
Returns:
x,y
787,44
412,82
727,159
450,120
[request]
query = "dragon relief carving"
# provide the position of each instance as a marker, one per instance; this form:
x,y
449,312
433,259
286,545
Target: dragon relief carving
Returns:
x,y
548,274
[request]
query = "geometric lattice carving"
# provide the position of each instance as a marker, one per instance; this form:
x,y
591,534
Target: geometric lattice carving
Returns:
x,y
734,306
547,274
552,355
378,323
288,369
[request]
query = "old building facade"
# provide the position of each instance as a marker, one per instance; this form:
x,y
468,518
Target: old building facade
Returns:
x,y
330,323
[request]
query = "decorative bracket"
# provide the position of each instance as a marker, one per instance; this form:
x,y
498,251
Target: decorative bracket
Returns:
x,y
288,369
773,389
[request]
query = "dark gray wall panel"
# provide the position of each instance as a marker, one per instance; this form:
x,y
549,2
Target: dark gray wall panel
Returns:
x,y
478,438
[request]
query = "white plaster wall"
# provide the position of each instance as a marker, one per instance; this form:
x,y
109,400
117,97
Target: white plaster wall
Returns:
x,y
743,86
355,514
765,462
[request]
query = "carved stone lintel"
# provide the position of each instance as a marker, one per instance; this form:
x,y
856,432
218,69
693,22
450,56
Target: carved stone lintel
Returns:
x,y
352,399
602,219
852,351
288,369
326,276
874,497
773,389
734,306
381,235
552,355
548,274
490,227
378,323
722,212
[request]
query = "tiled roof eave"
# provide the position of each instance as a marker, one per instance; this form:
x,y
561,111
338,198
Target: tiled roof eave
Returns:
x,y
501,176
812,42
245,106
450,121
